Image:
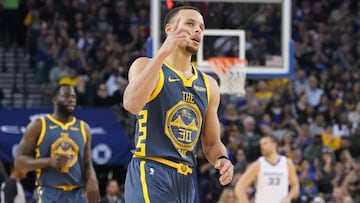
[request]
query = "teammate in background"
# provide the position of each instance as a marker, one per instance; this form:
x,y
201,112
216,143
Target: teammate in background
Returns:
x,y
11,190
176,105
273,172
57,146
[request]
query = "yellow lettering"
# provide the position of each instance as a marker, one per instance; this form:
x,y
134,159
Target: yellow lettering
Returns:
x,y
182,133
140,145
185,135
188,97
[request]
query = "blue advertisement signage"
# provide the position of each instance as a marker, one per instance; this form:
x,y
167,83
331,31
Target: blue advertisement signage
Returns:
x,y
110,144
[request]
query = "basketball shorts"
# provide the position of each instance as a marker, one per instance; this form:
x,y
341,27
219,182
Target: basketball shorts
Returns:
x,y
53,195
150,181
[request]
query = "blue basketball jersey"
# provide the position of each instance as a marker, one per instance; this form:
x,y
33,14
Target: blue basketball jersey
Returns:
x,y
170,124
58,138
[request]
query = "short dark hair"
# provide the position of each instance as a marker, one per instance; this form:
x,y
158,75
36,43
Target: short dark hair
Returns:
x,y
57,89
272,138
172,13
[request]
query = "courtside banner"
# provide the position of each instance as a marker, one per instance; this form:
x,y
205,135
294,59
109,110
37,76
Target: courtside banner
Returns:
x,y
110,144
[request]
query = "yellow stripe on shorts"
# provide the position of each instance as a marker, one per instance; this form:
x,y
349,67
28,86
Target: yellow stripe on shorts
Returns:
x,y
143,182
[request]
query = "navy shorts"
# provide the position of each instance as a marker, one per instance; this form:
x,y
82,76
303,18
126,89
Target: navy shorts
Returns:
x,y
149,181
53,195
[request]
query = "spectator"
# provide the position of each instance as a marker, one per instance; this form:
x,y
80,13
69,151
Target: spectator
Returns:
x,y
318,126
351,184
116,81
355,143
313,92
263,94
330,140
300,81
315,149
307,174
227,196
249,139
57,72
240,161
112,193
354,116
343,127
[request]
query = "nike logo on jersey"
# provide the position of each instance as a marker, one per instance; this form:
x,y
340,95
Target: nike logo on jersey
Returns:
x,y
74,128
53,127
170,79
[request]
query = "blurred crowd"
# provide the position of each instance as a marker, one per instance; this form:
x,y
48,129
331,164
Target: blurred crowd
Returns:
x,y
315,114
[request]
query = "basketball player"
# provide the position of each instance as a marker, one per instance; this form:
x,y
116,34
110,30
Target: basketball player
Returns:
x,y
57,146
273,173
11,190
176,105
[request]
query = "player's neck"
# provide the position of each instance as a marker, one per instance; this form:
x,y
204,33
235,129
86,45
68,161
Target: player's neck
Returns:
x,y
273,158
61,117
180,61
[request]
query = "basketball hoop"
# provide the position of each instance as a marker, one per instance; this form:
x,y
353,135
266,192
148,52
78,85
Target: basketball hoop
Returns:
x,y
232,74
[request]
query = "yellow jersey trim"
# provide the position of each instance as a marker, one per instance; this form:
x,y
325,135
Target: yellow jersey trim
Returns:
x,y
159,86
66,187
186,81
39,194
83,131
207,85
42,132
181,167
143,182
63,126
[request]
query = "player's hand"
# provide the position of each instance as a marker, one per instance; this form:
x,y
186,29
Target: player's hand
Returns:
x,y
176,36
59,160
226,170
92,190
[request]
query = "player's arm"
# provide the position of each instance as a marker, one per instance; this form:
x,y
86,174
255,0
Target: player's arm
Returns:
x,y
144,73
92,188
25,152
212,146
294,182
245,180
143,77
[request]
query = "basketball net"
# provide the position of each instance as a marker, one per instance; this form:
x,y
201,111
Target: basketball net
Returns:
x,y
232,74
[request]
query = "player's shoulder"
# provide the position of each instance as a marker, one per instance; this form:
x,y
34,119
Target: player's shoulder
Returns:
x,y
82,122
140,62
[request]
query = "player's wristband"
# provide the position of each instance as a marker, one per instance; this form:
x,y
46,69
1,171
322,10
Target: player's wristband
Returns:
x,y
223,157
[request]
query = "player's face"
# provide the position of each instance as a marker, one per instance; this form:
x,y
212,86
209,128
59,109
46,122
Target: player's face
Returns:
x,y
267,146
192,21
66,100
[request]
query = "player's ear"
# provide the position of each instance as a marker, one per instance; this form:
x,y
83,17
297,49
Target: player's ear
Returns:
x,y
54,99
168,28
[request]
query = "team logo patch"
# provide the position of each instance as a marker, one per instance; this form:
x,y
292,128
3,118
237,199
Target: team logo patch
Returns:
x,y
183,125
66,146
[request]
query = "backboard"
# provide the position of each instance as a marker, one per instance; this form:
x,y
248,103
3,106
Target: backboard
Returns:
x,y
257,30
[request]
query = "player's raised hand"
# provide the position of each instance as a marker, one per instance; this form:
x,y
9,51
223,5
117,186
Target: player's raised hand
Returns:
x,y
59,160
226,170
176,36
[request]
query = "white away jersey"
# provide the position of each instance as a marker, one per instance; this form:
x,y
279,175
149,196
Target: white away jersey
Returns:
x,y
272,181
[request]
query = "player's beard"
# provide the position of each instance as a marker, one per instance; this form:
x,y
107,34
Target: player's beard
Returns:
x,y
62,108
191,49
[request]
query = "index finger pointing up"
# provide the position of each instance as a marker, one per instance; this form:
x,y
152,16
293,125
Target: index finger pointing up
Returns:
x,y
176,26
